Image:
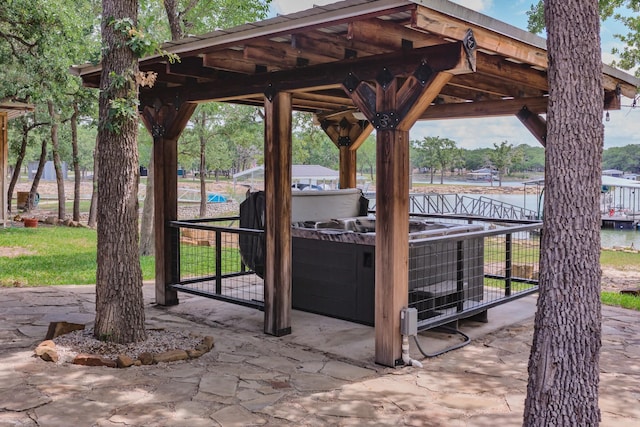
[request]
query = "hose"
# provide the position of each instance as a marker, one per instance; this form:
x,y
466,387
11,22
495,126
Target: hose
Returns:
x,y
466,341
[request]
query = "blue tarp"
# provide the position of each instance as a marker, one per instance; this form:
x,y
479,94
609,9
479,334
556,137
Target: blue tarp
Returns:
x,y
215,198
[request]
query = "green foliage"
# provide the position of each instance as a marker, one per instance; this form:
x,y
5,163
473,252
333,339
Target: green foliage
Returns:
x,y
433,152
136,40
625,158
630,54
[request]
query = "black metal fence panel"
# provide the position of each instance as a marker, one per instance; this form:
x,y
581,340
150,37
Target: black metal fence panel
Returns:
x,y
452,276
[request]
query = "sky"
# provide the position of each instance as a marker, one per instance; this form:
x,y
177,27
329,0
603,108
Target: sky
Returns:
x,y
622,129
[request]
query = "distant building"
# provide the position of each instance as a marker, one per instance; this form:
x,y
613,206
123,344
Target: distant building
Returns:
x,y
49,171
484,174
613,172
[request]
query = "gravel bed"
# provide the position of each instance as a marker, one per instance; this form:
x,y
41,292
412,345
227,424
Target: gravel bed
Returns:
x,y
70,345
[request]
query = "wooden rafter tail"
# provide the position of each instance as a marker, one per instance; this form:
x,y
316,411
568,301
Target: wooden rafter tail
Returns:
x,y
535,123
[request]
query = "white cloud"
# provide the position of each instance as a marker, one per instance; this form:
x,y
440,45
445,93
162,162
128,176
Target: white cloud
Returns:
x,y
284,7
477,5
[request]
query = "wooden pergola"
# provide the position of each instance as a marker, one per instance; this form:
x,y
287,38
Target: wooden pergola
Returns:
x,y
393,62
8,110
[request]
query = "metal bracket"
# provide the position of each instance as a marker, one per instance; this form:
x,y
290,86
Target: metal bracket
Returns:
x,y
157,130
470,46
384,78
351,82
423,73
344,141
270,92
386,120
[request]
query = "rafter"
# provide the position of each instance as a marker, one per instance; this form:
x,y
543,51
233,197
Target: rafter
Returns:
x,y
446,26
450,57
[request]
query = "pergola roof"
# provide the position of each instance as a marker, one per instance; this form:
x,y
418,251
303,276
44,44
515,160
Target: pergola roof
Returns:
x,y
311,52
15,109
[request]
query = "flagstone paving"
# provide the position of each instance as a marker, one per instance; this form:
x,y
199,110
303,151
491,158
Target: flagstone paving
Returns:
x,y
252,379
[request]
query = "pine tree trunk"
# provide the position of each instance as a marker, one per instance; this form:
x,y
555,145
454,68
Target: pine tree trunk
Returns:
x,y
119,301
76,164
564,362
56,161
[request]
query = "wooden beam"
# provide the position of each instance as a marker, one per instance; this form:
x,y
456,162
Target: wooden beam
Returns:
x,y
277,186
535,124
450,57
390,35
446,26
414,98
4,155
348,134
191,67
492,86
230,60
335,45
467,110
520,74
282,55
166,123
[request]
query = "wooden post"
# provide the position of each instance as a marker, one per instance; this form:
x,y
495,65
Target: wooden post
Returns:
x,y
348,167
277,186
4,154
393,112
348,134
165,125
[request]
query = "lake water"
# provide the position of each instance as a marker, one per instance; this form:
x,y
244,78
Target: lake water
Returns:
x,y
609,237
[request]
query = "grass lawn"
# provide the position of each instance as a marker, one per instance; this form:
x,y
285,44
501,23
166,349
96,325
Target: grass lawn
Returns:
x,y
53,256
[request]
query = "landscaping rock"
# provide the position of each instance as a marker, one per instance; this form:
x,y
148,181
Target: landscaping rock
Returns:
x,y
208,342
124,361
61,328
170,356
193,353
145,358
93,360
46,350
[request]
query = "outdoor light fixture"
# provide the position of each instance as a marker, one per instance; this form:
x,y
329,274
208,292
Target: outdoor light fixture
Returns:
x,y
606,117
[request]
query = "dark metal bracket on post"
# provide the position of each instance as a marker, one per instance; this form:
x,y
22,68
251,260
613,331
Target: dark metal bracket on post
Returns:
x,y
344,141
385,120
270,92
470,46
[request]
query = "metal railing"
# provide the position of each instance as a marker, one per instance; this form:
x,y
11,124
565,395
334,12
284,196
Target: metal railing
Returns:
x,y
451,276
209,262
455,204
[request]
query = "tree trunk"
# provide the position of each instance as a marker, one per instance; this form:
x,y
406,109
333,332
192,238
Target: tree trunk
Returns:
x,y
76,164
56,160
119,301
564,361
171,7
19,160
93,207
36,179
147,236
